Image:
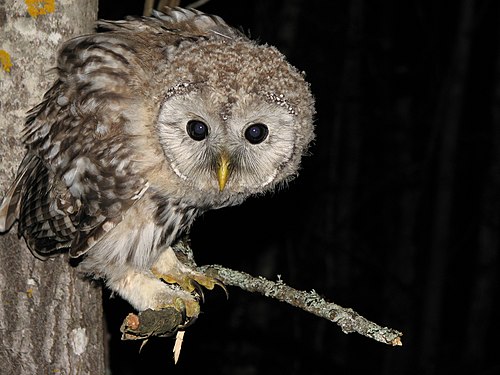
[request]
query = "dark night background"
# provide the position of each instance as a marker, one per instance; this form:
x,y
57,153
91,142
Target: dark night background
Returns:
x,y
395,213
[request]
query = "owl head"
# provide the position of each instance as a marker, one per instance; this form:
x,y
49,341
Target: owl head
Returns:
x,y
238,117
231,117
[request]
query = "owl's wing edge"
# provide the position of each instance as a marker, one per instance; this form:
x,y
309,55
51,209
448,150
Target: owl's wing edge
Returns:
x,y
11,203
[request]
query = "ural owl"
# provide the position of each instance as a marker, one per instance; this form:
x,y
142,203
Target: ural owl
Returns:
x,y
148,125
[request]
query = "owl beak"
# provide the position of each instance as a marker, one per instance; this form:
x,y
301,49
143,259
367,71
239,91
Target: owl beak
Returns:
x,y
223,170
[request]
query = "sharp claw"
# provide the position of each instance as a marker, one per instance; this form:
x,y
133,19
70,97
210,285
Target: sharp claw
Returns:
x,y
198,288
144,342
187,324
221,284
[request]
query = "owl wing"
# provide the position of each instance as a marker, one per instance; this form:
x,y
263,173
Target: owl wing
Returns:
x,y
50,217
79,176
47,222
11,202
43,220
175,23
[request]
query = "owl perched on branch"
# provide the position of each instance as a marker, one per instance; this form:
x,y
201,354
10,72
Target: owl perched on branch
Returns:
x,y
148,125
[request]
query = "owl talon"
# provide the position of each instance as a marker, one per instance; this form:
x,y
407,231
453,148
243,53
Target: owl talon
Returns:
x,y
188,323
170,270
192,282
199,290
219,283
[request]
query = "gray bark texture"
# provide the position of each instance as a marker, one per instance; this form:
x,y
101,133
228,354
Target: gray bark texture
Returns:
x,y
51,320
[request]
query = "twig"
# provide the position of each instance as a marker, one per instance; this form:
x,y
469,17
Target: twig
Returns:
x,y
348,320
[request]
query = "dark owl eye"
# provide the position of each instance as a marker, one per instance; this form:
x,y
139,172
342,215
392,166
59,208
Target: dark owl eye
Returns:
x,y
197,130
256,133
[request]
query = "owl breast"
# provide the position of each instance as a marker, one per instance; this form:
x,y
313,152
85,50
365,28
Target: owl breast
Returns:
x,y
147,229
174,216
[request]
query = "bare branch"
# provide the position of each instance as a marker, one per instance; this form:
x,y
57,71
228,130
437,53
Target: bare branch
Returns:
x,y
348,320
160,323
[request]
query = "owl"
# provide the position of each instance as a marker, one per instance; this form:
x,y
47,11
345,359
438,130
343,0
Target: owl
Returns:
x,y
149,124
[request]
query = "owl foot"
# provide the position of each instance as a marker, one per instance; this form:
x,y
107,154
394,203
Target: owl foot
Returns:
x,y
172,271
163,308
167,296
192,282
144,291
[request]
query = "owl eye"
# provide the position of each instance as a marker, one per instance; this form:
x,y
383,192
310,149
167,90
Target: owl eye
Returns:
x,y
197,130
256,133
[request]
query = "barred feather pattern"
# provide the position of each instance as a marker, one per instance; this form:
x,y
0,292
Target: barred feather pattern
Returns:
x,y
111,171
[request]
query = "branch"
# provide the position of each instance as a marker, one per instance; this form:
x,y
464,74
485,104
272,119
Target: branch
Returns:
x,y
348,320
164,323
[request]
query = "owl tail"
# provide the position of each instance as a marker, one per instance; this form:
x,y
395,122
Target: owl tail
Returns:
x,y
11,203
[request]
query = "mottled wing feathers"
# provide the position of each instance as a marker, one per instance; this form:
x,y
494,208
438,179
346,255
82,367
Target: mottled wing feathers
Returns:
x,y
44,220
196,22
50,217
79,177
11,203
174,25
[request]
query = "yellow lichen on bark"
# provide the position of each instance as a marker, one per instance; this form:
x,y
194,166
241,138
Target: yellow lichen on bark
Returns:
x,y
5,61
40,7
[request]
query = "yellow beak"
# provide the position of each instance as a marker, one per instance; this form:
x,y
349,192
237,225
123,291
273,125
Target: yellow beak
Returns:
x,y
223,171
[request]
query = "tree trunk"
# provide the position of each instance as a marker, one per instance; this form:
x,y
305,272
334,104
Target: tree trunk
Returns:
x,y
51,320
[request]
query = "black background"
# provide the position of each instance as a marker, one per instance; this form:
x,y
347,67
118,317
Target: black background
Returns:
x,y
395,213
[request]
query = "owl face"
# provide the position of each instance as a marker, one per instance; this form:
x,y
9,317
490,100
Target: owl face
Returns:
x,y
216,146
234,123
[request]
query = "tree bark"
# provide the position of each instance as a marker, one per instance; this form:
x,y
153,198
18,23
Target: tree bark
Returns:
x,y
51,320
346,318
